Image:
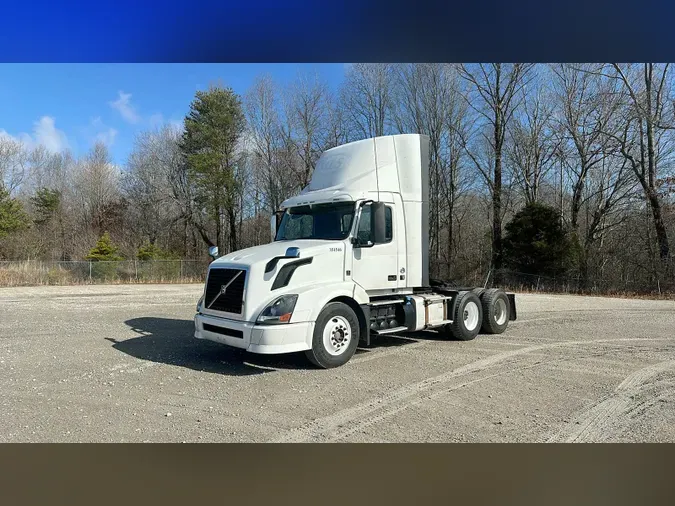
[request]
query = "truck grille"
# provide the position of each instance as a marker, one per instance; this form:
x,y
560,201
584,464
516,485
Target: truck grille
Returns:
x,y
225,290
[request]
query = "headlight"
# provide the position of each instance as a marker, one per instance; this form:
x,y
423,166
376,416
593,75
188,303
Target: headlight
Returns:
x,y
279,311
199,304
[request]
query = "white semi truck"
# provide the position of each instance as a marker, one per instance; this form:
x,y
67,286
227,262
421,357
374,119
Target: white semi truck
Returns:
x,y
348,261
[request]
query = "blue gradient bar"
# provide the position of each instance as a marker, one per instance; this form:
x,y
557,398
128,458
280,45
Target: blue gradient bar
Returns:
x,y
348,30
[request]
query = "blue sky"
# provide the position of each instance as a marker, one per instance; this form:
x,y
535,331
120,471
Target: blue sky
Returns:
x,y
71,106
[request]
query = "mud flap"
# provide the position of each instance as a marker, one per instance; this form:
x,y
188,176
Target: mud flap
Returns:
x,y
512,303
365,336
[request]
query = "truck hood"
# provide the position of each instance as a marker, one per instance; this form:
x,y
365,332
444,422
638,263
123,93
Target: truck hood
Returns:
x,y
264,253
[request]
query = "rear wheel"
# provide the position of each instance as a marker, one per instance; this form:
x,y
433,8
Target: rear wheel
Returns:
x,y
336,336
496,311
478,291
467,317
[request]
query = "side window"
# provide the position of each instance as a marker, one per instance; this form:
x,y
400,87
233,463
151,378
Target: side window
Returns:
x,y
364,225
346,222
364,232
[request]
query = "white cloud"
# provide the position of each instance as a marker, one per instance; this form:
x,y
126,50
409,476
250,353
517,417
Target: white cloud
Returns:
x,y
44,134
102,133
156,120
125,108
107,137
4,134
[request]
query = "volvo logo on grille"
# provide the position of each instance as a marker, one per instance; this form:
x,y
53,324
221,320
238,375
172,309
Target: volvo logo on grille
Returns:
x,y
223,289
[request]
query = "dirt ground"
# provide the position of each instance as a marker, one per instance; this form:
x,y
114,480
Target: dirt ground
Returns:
x,y
119,364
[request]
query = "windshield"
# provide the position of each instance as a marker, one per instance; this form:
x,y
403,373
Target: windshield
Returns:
x,y
320,221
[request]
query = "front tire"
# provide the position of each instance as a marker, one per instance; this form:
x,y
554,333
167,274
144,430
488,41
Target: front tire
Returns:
x,y
467,318
336,336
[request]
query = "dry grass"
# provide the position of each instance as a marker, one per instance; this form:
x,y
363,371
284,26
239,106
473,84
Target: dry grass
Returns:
x,y
78,273
617,294
43,274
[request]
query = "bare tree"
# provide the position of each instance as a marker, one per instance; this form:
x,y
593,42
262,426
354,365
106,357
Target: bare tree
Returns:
x,y
13,163
645,142
455,180
367,96
533,144
587,109
166,177
426,101
307,104
264,131
152,207
496,93
338,131
47,170
97,188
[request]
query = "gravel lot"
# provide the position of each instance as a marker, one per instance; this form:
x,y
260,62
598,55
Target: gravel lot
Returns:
x,y
119,364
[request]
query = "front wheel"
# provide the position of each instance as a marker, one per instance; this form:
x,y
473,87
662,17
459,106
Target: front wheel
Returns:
x,y
467,318
336,336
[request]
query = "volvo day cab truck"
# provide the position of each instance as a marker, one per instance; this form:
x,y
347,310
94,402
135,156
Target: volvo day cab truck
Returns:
x,y
348,261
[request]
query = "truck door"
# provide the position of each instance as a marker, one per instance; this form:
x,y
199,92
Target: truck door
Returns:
x,y
376,267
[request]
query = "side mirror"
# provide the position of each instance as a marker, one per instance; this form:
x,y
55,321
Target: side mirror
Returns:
x,y
273,226
213,252
275,220
379,225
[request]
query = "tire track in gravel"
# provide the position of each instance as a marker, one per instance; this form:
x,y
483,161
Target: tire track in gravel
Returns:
x,y
345,432
360,425
376,409
637,392
411,344
418,343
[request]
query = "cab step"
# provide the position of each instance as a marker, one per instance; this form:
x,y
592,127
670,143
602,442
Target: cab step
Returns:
x,y
389,331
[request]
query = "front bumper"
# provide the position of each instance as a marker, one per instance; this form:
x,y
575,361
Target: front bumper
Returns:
x,y
264,339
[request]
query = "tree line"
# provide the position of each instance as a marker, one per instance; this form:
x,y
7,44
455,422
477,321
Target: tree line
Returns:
x,y
543,169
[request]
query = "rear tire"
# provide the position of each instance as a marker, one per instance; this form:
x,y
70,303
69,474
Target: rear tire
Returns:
x,y
496,311
336,336
479,291
467,318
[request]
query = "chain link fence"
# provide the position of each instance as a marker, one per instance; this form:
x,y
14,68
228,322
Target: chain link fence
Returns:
x,y
37,272
575,284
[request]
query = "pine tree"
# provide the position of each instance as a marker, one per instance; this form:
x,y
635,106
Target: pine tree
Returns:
x,y
46,203
104,250
212,131
150,251
12,216
537,242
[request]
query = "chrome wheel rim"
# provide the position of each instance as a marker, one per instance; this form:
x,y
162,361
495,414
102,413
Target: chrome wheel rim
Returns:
x,y
471,316
501,312
337,334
